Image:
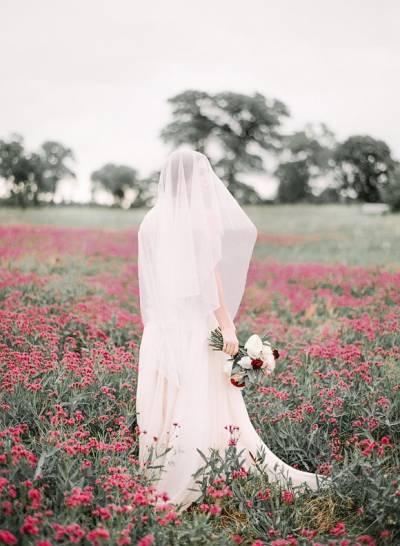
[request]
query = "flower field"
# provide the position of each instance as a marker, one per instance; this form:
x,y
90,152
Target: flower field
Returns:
x,y
69,335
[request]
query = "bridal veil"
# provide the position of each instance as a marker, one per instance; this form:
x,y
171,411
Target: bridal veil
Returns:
x,y
195,227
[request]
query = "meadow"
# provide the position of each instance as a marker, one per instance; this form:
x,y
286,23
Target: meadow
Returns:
x,y
325,281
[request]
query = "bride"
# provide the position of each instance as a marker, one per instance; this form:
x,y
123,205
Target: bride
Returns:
x,y
195,245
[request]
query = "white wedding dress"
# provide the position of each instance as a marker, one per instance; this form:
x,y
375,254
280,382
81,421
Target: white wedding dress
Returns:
x,y
185,400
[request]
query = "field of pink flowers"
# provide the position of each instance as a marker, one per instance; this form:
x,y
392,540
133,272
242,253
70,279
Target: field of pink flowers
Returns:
x,y
69,334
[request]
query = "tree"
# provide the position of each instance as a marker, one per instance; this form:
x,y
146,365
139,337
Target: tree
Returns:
x,y
305,155
293,181
329,194
32,174
240,126
146,190
364,166
390,192
191,122
115,179
52,166
17,169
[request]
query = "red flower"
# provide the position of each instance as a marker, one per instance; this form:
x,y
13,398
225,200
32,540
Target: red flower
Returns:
x,y
146,541
264,495
287,496
7,538
237,383
340,529
257,363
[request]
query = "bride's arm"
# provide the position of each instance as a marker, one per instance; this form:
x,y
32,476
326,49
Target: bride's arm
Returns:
x,y
228,330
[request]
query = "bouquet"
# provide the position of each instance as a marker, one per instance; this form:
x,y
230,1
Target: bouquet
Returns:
x,y
254,359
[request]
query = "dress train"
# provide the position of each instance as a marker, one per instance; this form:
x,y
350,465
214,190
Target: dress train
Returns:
x,y
197,416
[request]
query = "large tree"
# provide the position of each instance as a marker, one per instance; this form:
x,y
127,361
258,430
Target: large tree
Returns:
x,y
232,128
364,166
305,155
30,175
115,179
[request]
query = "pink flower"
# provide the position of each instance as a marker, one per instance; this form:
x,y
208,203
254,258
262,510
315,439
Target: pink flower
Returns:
x,y
287,496
146,540
366,539
307,533
339,529
383,402
7,538
99,532
242,473
29,527
35,497
79,497
264,495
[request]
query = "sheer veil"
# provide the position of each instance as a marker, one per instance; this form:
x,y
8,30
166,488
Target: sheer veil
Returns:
x,y
195,227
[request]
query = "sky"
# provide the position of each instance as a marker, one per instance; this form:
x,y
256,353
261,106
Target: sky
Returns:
x,y
96,74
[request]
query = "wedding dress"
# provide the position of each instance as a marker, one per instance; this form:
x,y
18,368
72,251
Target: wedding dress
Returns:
x,y
184,397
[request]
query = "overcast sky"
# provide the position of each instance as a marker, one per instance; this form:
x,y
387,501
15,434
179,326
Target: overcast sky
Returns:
x,y
96,74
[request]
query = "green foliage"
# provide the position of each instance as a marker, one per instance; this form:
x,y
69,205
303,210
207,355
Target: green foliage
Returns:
x,y
31,175
116,179
54,165
329,194
191,124
244,127
390,193
252,506
146,190
293,182
364,167
305,155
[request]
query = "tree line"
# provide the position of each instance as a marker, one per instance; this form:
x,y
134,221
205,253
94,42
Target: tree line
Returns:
x,y
242,135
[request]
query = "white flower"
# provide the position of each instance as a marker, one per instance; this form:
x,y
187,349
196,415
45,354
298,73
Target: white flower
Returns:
x,y
245,362
254,346
268,357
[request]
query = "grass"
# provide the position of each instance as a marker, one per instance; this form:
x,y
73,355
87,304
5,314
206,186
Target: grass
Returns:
x,y
290,233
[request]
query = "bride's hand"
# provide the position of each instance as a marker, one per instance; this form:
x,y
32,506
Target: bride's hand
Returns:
x,y
231,343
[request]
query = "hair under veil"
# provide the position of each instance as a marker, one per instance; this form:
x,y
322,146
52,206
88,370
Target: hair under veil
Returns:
x,y
195,227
